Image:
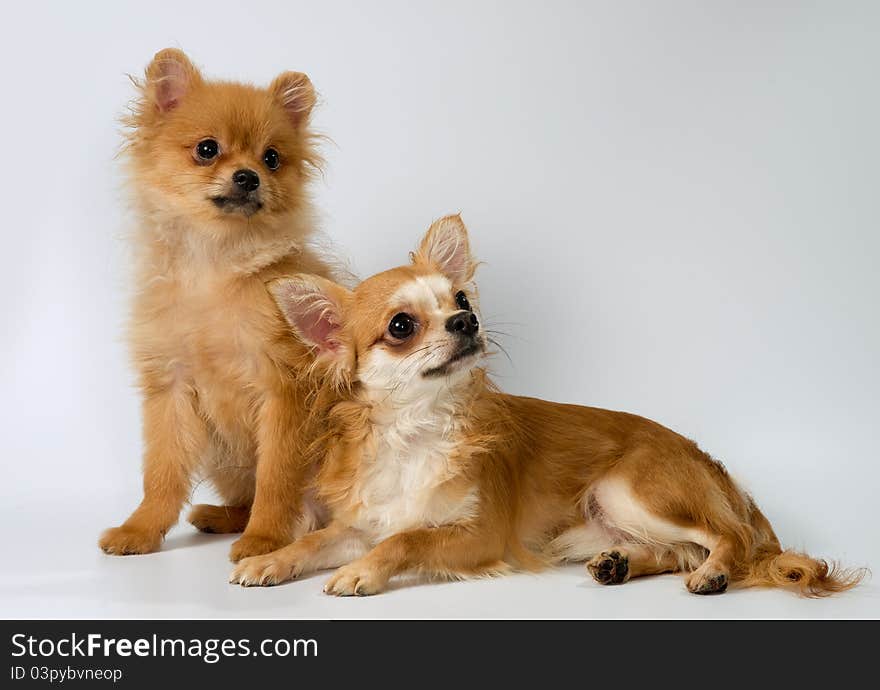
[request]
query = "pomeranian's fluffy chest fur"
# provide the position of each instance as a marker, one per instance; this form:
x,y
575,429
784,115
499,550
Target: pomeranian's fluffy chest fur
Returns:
x,y
203,321
409,473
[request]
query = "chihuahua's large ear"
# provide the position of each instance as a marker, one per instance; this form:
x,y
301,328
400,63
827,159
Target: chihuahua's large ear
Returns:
x,y
313,307
446,246
295,92
170,76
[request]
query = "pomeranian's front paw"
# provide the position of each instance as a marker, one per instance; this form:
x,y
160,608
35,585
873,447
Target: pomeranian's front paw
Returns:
x,y
355,579
263,571
254,545
127,541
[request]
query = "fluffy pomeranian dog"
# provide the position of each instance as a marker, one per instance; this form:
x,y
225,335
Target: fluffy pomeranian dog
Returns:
x,y
219,173
430,469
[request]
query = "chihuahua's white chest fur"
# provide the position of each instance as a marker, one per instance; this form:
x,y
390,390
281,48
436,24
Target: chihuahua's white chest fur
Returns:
x,y
404,477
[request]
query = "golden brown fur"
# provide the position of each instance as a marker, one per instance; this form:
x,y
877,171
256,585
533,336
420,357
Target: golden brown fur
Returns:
x,y
222,382
519,482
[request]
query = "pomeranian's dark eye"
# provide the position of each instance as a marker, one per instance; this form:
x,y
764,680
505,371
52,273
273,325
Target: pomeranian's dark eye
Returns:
x,y
271,159
462,301
207,149
401,326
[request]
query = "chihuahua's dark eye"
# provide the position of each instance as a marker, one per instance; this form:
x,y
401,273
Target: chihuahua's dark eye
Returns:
x,y
271,159
462,301
207,149
401,326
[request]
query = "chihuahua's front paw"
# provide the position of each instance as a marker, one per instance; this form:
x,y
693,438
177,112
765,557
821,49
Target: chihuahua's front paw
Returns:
x,y
355,579
263,571
254,545
127,541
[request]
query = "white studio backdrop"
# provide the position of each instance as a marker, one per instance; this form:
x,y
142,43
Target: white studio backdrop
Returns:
x,y
677,204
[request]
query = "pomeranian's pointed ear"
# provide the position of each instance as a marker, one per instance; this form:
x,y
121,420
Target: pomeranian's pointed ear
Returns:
x,y
313,307
446,247
295,92
170,76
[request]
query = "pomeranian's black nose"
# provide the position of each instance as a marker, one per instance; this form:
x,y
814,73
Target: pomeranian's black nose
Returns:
x,y
246,180
464,322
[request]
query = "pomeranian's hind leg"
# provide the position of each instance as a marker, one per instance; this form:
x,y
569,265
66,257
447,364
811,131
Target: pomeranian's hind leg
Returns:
x,y
234,479
623,562
219,519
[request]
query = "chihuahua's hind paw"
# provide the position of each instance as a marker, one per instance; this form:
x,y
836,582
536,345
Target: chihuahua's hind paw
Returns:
x,y
609,568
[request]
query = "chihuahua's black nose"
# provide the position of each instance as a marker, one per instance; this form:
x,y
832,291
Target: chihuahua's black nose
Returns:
x,y
464,322
246,180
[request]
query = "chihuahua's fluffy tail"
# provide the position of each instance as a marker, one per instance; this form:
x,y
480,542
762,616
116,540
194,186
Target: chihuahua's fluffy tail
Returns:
x,y
810,577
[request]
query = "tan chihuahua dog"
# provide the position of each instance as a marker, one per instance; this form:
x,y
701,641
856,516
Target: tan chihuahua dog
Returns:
x,y
430,469
219,173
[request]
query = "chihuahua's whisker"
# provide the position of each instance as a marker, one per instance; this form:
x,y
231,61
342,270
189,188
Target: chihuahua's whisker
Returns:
x,y
493,322
415,352
405,367
504,334
491,325
403,370
501,347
